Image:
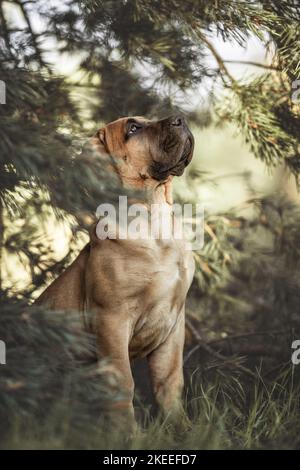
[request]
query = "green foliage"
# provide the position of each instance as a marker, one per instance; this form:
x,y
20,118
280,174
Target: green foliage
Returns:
x,y
50,366
247,276
269,125
224,415
144,57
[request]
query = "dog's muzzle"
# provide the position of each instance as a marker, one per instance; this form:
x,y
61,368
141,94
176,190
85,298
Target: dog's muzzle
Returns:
x,y
176,144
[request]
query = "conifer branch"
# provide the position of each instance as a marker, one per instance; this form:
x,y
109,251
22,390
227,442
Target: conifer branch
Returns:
x,y
254,64
219,60
34,36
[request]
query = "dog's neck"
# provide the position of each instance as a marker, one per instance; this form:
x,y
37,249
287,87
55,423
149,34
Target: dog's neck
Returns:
x,y
161,193
152,192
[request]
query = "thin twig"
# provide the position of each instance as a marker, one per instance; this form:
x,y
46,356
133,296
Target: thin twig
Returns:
x,y
254,64
219,60
249,335
212,352
191,352
6,34
34,37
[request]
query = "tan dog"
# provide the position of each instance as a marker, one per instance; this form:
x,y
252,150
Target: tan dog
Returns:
x,y
136,289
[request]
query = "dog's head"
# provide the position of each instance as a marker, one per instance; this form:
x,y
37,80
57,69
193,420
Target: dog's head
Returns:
x,y
145,152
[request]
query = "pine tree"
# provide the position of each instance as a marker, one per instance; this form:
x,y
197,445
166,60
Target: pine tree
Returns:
x,y
141,57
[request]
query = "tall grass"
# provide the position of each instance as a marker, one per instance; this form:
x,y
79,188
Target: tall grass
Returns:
x,y
224,413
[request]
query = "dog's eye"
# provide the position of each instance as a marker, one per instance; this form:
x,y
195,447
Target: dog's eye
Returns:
x,y
133,129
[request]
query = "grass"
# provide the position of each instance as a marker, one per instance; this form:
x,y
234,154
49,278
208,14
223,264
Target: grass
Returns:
x,y
224,412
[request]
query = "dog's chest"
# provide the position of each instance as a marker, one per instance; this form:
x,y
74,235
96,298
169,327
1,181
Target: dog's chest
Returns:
x,y
146,282
166,277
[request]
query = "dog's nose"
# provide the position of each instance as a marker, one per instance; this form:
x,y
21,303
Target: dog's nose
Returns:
x,y
176,121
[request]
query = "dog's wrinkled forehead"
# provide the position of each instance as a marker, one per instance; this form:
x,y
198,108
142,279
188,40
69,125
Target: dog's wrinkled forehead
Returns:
x,y
116,132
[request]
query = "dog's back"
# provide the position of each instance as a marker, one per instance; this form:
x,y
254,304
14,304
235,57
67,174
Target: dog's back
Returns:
x,y
67,292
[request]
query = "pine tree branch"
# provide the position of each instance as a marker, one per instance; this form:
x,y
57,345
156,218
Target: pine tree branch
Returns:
x,y
232,344
254,64
34,37
6,34
204,345
219,60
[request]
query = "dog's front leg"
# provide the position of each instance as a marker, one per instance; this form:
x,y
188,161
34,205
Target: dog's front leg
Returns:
x,y
112,333
166,369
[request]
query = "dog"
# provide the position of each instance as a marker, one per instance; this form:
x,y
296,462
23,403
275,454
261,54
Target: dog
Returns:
x,y
135,290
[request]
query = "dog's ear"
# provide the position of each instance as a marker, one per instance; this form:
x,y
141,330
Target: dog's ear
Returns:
x,y
97,143
97,149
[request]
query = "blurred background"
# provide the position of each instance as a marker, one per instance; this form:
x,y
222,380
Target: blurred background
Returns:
x,y
232,68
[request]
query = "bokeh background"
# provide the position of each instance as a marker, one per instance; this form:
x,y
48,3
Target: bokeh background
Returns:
x,y
232,68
